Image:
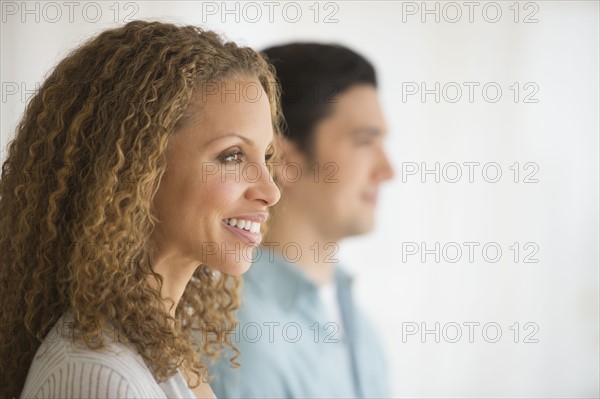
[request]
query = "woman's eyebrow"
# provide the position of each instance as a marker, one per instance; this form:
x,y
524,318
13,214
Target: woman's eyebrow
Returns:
x,y
246,139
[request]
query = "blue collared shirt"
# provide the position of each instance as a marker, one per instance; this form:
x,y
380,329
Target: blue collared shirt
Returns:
x,y
288,349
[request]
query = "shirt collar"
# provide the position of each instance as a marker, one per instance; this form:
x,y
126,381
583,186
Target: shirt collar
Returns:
x,y
284,280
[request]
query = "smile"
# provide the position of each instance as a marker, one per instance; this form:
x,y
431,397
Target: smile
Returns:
x,y
246,230
248,225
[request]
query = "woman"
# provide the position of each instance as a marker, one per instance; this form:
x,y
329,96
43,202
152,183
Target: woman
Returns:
x,y
117,217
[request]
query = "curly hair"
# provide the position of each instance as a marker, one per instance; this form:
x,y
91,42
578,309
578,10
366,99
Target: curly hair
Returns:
x,y
76,191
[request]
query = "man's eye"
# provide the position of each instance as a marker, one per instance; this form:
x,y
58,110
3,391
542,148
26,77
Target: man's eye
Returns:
x,y
364,142
233,157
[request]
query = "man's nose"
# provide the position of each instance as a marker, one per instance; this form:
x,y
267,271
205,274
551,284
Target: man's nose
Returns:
x,y
385,171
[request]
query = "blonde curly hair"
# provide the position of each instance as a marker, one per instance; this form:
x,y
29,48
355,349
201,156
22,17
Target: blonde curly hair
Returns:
x,y
76,192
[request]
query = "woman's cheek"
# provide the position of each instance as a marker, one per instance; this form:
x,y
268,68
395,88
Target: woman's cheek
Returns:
x,y
223,188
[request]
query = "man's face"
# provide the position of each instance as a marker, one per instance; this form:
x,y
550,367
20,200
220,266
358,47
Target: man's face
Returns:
x,y
341,193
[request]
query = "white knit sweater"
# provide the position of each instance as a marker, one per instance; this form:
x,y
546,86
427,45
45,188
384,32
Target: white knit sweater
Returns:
x,y
62,368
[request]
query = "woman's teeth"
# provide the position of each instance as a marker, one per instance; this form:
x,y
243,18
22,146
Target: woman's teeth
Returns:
x,y
248,225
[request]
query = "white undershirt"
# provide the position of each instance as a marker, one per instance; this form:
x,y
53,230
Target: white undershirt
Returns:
x,y
328,295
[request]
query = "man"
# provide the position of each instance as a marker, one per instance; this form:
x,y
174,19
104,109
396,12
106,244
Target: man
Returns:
x,y
300,333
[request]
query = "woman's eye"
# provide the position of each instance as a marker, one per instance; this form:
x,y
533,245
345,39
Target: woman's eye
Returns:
x,y
233,157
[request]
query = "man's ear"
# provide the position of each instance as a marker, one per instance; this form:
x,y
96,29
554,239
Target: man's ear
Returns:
x,y
287,153
285,148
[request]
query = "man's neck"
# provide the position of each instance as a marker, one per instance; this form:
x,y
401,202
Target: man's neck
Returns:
x,y
305,247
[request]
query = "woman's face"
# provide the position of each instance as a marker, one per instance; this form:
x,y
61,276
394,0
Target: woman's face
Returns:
x,y
216,172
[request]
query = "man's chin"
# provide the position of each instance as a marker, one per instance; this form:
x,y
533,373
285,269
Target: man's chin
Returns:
x,y
360,227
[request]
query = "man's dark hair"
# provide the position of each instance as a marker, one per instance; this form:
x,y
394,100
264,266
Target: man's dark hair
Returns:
x,y
311,76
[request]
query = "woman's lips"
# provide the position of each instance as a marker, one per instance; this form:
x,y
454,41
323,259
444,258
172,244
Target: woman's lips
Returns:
x,y
249,238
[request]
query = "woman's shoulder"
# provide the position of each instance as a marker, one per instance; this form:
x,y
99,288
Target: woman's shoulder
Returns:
x,y
65,367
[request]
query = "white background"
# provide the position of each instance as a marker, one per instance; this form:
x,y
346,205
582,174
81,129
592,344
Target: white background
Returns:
x,y
559,54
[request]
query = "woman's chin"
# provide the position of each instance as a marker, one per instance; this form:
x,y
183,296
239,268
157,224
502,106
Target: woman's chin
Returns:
x,y
235,268
225,259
